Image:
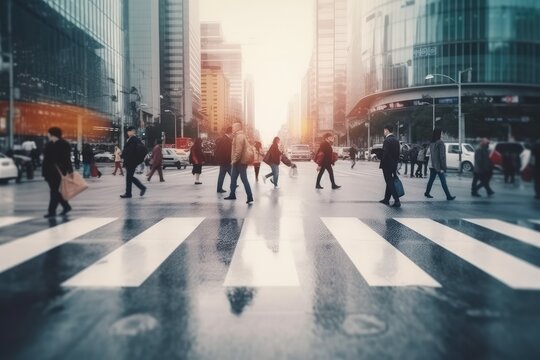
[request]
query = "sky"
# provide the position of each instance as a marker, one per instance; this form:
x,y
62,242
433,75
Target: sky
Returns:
x,y
276,38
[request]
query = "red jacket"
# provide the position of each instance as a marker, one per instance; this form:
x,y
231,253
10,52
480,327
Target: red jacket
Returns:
x,y
157,156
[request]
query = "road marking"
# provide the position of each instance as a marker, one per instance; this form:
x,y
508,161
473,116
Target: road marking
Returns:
x,y
131,264
11,220
264,259
380,263
520,233
23,249
537,222
508,269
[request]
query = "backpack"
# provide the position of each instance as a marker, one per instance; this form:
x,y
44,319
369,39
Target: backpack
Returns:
x,y
250,154
421,155
140,152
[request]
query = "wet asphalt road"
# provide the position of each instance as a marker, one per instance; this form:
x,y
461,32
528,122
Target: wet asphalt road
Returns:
x,y
300,274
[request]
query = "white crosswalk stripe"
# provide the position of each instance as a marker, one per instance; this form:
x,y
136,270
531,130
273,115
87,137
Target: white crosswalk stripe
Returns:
x,y
520,233
23,249
380,263
537,222
12,220
508,269
134,262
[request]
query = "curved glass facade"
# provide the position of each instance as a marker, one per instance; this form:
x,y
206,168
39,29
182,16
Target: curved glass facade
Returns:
x,y
404,40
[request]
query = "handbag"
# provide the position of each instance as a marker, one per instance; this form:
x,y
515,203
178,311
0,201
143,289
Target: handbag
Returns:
x,y
71,185
319,158
335,157
94,172
266,158
398,185
527,173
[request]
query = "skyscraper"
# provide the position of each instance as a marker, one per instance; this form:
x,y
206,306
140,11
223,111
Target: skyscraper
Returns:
x,y
215,100
249,103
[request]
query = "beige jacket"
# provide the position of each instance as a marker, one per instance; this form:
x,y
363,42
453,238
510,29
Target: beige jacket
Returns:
x,y
239,147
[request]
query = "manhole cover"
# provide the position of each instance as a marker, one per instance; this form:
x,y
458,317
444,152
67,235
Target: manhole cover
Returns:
x,y
134,324
363,324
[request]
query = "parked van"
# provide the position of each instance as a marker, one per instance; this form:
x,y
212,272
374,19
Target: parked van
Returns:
x,y
467,158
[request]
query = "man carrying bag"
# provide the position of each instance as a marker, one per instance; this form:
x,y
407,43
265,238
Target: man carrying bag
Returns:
x,y
133,154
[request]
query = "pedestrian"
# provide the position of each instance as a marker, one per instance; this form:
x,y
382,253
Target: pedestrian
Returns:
x,y
56,162
156,162
403,159
353,152
273,159
420,161
389,165
258,158
413,158
87,159
535,152
242,155
117,160
427,156
509,163
223,157
196,157
483,169
133,154
325,159
76,157
438,164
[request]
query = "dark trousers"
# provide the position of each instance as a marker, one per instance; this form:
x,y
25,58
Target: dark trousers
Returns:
x,y
412,168
390,188
426,162
118,166
509,175
223,170
257,168
153,170
330,173
240,170
481,181
56,198
537,181
419,165
432,175
131,179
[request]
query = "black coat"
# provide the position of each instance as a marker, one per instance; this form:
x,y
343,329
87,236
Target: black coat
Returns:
x,y
390,154
326,149
57,154
223,151
274,155
87,155
129,154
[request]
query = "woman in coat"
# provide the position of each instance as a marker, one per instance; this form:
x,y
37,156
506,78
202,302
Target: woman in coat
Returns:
x,y
196,157
258,158
156,163
438,164
56,160
273,158
118,160
325,160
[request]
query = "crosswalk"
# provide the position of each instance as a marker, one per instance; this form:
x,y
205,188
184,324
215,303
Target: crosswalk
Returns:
x,y
267,254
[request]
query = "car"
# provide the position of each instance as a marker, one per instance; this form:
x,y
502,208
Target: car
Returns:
x,y
24,165
105,156
8,169
467,157
376,152
174,157
299,153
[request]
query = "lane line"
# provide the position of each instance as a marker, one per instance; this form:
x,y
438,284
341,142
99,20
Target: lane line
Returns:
x,y
265,258
378,261
11,220
132,263
506,268
23,249
537,222
520,233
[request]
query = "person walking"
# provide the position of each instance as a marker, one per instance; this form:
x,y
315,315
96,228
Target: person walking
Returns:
x,y
509,163
413,158
241,156
223,157
389,165
403,159
57,159
117,160
196,157
76,157
258,158
87,160
273,158
133,154
325,160
420,158
482,169
156,163
353,152
438,164
535,152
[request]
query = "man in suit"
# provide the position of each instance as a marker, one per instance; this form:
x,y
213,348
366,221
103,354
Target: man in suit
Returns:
x,y
223,157
131,162
389,164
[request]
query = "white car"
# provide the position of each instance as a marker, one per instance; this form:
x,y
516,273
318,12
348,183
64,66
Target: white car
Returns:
x,y
467,157
299,152
174,157
105,156
8,169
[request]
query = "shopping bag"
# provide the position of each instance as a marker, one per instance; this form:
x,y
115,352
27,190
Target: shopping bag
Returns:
x,y
94,172
285,160
398,185
71,185
495,157
527,173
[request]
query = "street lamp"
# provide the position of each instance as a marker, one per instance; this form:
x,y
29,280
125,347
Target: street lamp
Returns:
x,y
461,125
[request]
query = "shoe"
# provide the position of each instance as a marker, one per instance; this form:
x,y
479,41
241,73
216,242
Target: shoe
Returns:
x,y
335,187
450,198
475,194
125,196
221,191
161,180
143,191
412,176
272,181
491,193
122,174
99,175
318,187
230,198
385,202
66,210
198,183
428,196
148,179
48,216
249,201
114,174
397,204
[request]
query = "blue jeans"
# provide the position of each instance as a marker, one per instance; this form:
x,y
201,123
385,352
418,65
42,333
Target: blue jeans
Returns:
x,y
86,170
432,174
274,174
223,170
240,170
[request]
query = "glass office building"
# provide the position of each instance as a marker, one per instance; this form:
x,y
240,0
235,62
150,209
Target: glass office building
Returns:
x,y
396,44
68,68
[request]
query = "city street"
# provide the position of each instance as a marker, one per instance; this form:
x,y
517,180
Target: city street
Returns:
x,y
300,274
